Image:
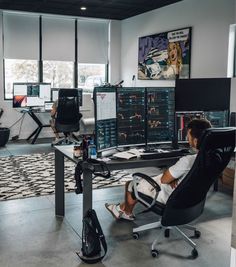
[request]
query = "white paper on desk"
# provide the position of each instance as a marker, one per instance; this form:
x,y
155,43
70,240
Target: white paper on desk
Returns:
x,y
130,154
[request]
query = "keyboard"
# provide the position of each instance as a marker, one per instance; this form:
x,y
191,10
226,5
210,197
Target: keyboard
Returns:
x,y
166,154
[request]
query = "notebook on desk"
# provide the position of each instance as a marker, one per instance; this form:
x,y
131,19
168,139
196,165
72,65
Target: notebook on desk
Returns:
x,y
129,154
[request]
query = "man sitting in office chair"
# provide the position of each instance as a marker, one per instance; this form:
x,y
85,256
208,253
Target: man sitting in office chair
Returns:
x,y
167,181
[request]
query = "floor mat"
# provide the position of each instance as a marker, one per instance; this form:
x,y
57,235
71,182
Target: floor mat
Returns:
x,y
33,175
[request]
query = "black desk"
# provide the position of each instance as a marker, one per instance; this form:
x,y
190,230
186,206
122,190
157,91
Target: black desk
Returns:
x,y
67,151
36,132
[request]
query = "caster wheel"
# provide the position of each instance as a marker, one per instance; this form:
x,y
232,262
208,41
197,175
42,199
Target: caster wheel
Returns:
x,y
167,233
194,253
197,233
154,253
135,236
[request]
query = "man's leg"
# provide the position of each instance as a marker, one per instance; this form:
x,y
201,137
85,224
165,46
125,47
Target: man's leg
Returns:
x,y
128,205
124,210
52,123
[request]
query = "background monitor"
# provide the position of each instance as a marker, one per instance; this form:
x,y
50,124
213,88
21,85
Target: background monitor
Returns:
x,y
160,115
202,94
217,119
181,122
131,116
31,94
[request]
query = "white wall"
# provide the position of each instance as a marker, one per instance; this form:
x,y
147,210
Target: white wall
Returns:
x,y
114,51
209,19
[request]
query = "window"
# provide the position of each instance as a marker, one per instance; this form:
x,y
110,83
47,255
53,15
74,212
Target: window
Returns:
x,y
21,49
231,68
59,73
58,51
43,48
90,76
19,70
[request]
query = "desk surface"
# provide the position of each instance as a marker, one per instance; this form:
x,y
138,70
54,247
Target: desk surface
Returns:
x,y
67,151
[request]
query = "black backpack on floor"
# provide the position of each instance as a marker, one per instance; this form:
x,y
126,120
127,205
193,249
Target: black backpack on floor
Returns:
x,y
92,239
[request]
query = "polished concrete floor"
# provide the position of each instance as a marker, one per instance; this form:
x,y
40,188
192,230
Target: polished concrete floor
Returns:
x,y
31,235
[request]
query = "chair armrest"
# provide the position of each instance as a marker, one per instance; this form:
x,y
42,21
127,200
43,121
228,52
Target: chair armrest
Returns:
x,y
154,184
156,187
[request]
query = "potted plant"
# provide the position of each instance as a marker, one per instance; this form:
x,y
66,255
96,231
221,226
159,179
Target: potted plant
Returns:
x,y
4,132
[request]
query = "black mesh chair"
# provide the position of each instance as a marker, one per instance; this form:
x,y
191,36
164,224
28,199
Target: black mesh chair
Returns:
x,y
232,121
186,203
67,119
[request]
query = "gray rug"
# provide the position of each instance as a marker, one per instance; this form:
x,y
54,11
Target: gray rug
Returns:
x,y
33,175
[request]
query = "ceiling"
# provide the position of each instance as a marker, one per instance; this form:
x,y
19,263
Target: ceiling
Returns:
x,y
106,9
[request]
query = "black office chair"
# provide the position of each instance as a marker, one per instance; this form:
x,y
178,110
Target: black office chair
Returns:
x,y
187,201
67,119
232,121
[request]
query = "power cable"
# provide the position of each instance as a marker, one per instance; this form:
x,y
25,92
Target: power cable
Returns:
x,y
21,118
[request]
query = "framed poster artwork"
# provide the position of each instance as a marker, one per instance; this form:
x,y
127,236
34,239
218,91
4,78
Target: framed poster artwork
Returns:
x,y
165,56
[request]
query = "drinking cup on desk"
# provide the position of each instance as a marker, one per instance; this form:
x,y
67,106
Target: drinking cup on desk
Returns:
x,y
77,152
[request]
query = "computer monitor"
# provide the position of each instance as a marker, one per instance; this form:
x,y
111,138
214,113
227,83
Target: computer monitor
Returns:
x,y
181,122
160,115
205,94
31,94
217,119
131,116
105,118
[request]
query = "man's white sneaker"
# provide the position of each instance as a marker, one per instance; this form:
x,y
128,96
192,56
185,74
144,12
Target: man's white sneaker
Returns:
x,y
117,213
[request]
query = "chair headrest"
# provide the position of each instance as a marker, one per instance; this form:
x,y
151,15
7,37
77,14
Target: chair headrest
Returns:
x,y
216,137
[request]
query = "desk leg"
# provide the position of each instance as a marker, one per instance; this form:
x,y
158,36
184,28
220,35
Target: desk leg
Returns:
x,y
87,190
33,133
36,134
59,184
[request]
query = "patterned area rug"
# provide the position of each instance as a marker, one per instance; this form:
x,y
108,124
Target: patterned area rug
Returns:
x,y
33,175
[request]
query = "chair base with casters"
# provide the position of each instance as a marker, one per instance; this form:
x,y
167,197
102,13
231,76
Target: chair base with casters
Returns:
x,y
154,250
67,140
158,208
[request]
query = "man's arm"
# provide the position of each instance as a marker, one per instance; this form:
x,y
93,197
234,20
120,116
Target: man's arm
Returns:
x,y
167,178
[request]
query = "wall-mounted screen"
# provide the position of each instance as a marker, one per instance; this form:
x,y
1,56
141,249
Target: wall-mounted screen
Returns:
x,y
131,116
160,114
202,94
31,94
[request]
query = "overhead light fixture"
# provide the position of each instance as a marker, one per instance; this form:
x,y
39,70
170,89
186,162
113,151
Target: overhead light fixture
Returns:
x,y
83,8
